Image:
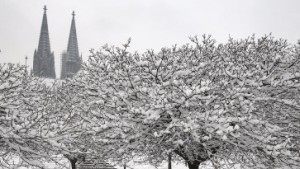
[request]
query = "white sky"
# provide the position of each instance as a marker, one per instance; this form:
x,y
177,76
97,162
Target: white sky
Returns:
x,y
150,23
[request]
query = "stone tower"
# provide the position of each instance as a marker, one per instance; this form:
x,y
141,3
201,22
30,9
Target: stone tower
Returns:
x,y
70,60
43,59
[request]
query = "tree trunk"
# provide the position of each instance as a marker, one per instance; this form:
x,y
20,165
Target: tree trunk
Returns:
x,y
73,163
194,165
124,166
170,161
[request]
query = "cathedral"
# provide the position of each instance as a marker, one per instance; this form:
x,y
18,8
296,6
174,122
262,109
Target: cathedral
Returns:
x,y
43,59
44,66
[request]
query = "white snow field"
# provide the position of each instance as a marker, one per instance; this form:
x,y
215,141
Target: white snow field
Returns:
x,y
133,166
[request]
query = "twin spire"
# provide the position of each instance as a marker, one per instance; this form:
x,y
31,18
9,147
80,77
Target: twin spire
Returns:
x,y
43,60
72,43
70,60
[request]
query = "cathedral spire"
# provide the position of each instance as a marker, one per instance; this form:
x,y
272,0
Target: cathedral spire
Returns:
x,y
73,44
44,42
71,61
43,60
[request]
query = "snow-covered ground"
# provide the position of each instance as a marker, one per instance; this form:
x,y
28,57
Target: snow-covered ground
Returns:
x,y
133,166
136,166
129,166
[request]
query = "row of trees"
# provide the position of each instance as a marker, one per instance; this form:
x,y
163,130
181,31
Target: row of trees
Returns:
x,y
231,104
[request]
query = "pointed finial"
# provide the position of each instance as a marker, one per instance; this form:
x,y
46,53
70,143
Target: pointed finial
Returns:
x,y
45,9
73,13
26,58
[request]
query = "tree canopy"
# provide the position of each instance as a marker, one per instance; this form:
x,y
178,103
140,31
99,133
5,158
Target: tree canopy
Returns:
x,y
232,104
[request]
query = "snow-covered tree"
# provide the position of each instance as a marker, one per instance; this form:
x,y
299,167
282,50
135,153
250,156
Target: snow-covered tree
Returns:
x,y
232,103
27,134
77,139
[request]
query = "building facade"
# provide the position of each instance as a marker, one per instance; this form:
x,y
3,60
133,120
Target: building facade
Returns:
x,y
70,59
43,59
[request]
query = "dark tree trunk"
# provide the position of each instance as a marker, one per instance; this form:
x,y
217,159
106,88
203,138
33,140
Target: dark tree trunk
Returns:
x,y
170,161
124,166
73,163
194,165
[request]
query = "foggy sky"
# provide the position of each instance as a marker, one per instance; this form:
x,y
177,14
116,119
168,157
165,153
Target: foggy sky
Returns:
x,y
152,24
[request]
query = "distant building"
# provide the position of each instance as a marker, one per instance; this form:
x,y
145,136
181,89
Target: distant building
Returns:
x,y
70,60
43,59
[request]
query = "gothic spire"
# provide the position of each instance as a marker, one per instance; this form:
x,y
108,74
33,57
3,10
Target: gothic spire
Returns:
x,y
70,61
73,44
43,60
44,42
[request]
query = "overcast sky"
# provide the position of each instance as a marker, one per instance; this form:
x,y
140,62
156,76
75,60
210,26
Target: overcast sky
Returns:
x,y
152,24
